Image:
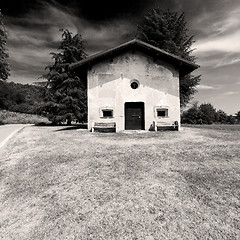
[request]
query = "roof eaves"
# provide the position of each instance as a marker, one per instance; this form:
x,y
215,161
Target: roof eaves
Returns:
x,y
97,56
170,55
101,54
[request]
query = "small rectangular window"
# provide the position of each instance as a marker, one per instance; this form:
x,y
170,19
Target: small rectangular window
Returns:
x,y
107,113
162,112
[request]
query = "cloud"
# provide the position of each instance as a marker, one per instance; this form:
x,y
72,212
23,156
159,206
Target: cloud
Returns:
x,y
205,87
231,93
222,32
33,36
102,36
218,36
227,43
226,62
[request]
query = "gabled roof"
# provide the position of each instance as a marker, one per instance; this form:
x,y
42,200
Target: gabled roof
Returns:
x,y
184,66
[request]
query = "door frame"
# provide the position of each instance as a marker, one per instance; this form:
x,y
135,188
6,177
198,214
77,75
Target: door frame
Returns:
x,y
142,106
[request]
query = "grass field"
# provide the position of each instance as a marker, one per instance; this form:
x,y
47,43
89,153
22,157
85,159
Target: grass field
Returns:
x,y
8,117
222,127
66,184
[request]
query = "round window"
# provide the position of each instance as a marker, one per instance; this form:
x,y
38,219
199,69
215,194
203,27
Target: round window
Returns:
x,y
134,84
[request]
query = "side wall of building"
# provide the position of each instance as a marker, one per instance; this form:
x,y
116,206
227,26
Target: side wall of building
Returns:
x,y
109,88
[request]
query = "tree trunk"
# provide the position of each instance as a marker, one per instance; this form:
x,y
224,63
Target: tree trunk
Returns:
x,y
69,122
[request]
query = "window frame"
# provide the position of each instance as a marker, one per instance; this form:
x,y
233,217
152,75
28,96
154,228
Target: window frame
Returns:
x,y
161,108
134,81
102,110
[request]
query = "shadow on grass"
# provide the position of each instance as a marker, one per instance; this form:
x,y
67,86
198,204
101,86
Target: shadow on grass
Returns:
x,y
74,127
65,127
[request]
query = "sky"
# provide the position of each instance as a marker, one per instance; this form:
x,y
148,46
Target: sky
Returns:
x,y
33,33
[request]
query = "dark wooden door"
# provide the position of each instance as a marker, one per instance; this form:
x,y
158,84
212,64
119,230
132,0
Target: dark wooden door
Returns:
x,y
134,115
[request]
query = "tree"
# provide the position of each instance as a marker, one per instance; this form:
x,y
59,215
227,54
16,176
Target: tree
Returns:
x,y
167,30
18,97
4,65
238,116
221,116
208,113
231,119
65,94
193,115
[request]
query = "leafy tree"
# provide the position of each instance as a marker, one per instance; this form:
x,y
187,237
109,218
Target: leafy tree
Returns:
x,y
238,116
208,113
231,119
221,116
4,65
10,96
193,115
20,97
167,30
65,94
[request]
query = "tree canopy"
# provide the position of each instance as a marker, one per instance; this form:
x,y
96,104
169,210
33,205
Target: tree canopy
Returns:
x,y
207,114
168,31
4,65
18,97
65,95
238,116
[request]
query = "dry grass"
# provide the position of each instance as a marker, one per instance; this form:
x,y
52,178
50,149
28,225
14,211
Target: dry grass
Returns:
x,y
222,127
80,185
7,117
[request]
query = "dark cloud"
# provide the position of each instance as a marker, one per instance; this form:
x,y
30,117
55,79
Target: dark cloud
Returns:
x,y
90,9
18,7
33,30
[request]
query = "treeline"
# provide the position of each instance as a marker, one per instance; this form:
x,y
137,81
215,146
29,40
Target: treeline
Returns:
x,y
207,114
22,98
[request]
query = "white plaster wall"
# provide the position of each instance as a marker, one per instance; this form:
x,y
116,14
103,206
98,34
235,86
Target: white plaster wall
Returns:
x,y
109,87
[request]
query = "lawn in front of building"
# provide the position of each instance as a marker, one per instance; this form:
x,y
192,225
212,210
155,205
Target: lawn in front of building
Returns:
x,y
60,183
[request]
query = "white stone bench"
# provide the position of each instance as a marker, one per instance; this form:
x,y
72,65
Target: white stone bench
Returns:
x,y
160,126
103,127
